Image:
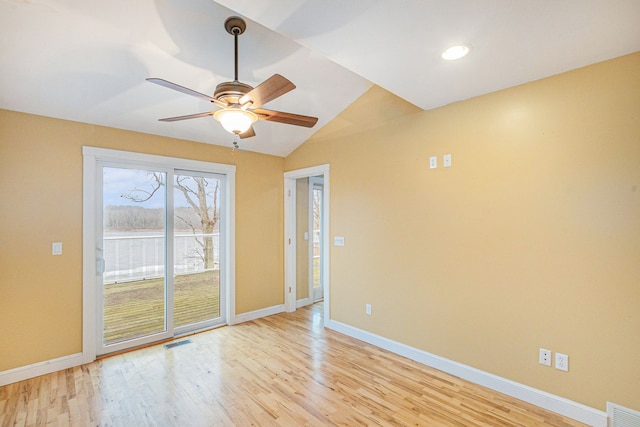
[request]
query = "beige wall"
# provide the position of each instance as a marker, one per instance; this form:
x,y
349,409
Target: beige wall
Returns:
x,y
531,239
41,202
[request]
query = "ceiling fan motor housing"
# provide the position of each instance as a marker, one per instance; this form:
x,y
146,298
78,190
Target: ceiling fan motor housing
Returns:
x,y
231,92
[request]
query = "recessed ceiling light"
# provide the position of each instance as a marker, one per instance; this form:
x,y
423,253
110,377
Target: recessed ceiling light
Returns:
x,y
455,52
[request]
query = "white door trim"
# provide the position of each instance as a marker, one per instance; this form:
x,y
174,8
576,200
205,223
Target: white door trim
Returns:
x,y
290,235
91,157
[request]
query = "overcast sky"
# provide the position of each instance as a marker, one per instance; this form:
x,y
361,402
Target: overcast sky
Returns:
x,y
119,182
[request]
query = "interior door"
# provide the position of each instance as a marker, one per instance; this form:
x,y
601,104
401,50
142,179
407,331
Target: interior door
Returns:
x,y
309,236
135,284
302,242
315,225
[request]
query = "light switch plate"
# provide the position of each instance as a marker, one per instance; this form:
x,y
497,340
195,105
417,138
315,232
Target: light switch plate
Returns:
x,y
446,160
433,162
56,248
338,241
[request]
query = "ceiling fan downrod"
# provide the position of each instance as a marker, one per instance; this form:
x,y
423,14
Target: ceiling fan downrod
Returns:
x,y
235,26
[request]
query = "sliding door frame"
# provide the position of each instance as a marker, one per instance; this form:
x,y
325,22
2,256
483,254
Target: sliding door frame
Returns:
x,y
92,156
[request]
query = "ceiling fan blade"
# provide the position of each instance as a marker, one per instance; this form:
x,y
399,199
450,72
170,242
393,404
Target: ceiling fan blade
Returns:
x,y
190,116
287,118
186,90
248,133
266,91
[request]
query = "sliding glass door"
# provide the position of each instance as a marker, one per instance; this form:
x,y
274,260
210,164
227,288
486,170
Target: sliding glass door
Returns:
x,y
160,253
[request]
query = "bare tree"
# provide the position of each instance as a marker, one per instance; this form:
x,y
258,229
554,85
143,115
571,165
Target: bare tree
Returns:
x,y
198,199
202,196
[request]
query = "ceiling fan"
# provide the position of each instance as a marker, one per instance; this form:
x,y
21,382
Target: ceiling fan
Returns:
x,y
239,102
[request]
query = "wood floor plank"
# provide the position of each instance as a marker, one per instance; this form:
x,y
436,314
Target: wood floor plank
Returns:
x,y
284,370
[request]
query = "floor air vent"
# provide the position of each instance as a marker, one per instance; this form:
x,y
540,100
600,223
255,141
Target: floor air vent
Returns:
x,y
183,342
620,416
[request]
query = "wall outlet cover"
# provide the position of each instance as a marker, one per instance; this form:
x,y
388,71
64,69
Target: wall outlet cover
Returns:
x,y
562,362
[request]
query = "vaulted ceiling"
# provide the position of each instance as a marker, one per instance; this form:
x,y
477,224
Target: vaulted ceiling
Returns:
x,y
87,61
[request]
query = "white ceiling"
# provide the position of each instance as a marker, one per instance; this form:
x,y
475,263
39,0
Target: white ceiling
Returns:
x,y
87,60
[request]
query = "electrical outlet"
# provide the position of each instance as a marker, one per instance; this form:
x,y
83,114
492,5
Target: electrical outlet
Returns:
x,y
367,309
562,362
544,357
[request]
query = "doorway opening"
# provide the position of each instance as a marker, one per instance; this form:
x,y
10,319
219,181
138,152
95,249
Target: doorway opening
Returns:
x,y
306,237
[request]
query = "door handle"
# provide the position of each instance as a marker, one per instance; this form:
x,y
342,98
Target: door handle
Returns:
x,y
99,266
99,262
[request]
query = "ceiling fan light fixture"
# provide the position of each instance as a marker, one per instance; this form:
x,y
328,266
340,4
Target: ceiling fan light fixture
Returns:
x,y
239,100
235,120
455,52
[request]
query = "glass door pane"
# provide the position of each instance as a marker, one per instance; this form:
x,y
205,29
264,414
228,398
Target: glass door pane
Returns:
x,y
197,251
134,285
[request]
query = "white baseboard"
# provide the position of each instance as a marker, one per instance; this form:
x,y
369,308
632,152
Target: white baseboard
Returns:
x,y
548,401
303,302
40,368
253,315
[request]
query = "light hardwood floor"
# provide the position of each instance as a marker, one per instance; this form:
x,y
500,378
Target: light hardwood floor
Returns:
x,y
284,370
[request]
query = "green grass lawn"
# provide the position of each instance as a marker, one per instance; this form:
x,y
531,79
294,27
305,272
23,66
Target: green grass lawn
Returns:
x,y
135,309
